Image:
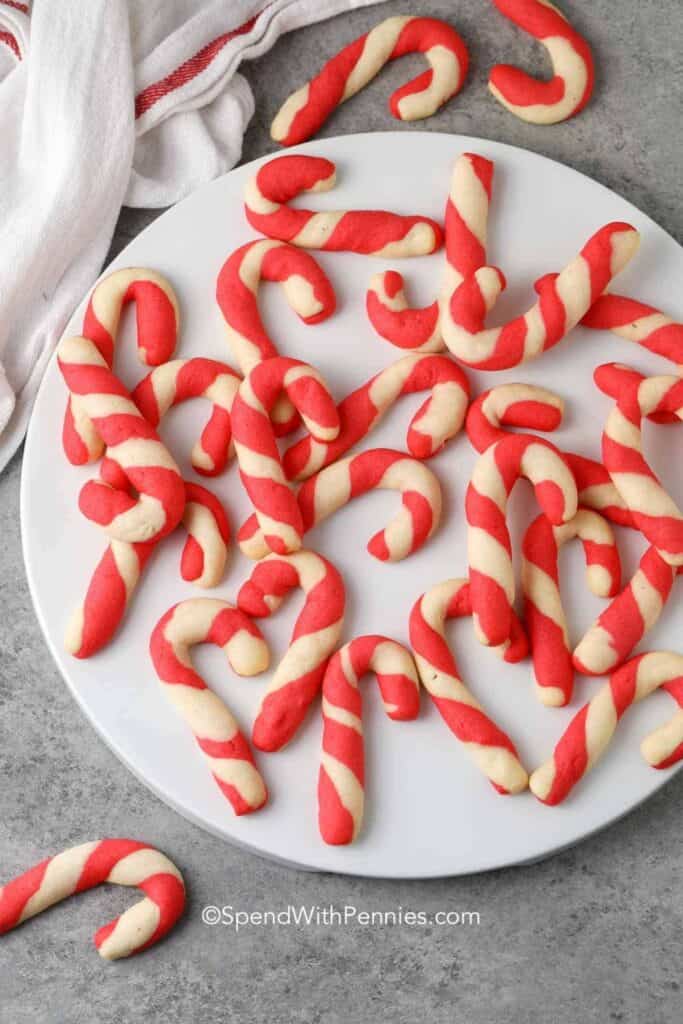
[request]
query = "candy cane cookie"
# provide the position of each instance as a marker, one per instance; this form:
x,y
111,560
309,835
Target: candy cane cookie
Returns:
x,y
94,623
157,327
371,232
316,634
342,481
511,405
492,581
654,512
341,781
438,419
208,532
132,443
306,110
206,548
592,728
492,750
466,221
663,747
596,490
562,302
261,470
636,321
626,620
183,379
227,752
571,86
544,615
306,287
613,379
110,861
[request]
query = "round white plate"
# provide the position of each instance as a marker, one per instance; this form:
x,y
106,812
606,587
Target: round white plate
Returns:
x,y
429,811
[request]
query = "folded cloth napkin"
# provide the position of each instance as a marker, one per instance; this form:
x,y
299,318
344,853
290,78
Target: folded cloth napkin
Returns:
x,y
104,104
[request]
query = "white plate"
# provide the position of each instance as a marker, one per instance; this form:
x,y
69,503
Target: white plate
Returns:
x,y
429,811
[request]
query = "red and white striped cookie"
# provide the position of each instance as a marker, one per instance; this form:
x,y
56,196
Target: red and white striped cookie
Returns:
x,y
341,782
511,405
466,220
438,419
261,470
663,747
592,728
596,490
654,511
94,623
316,634
112,585
544,615
626,620
206,548
205,552
492,750
571,86
488,540
563,301
110,861
183,379
208,620
371,232
638,322
157,326
306,110
132,443
305,284
340,482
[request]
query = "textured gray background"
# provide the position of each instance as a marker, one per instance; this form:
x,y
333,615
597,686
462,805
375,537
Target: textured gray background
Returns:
x,y
590,935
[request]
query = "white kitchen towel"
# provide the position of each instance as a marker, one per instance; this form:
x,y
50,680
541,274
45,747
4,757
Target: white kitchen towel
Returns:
x,y
101,104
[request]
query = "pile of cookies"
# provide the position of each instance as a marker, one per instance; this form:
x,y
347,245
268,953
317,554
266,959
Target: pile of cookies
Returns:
x,y
140,496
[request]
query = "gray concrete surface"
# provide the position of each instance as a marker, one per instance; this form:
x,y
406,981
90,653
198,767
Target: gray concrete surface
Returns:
x,y
591,935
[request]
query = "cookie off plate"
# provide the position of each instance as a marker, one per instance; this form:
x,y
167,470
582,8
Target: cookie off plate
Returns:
x,y
429,811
